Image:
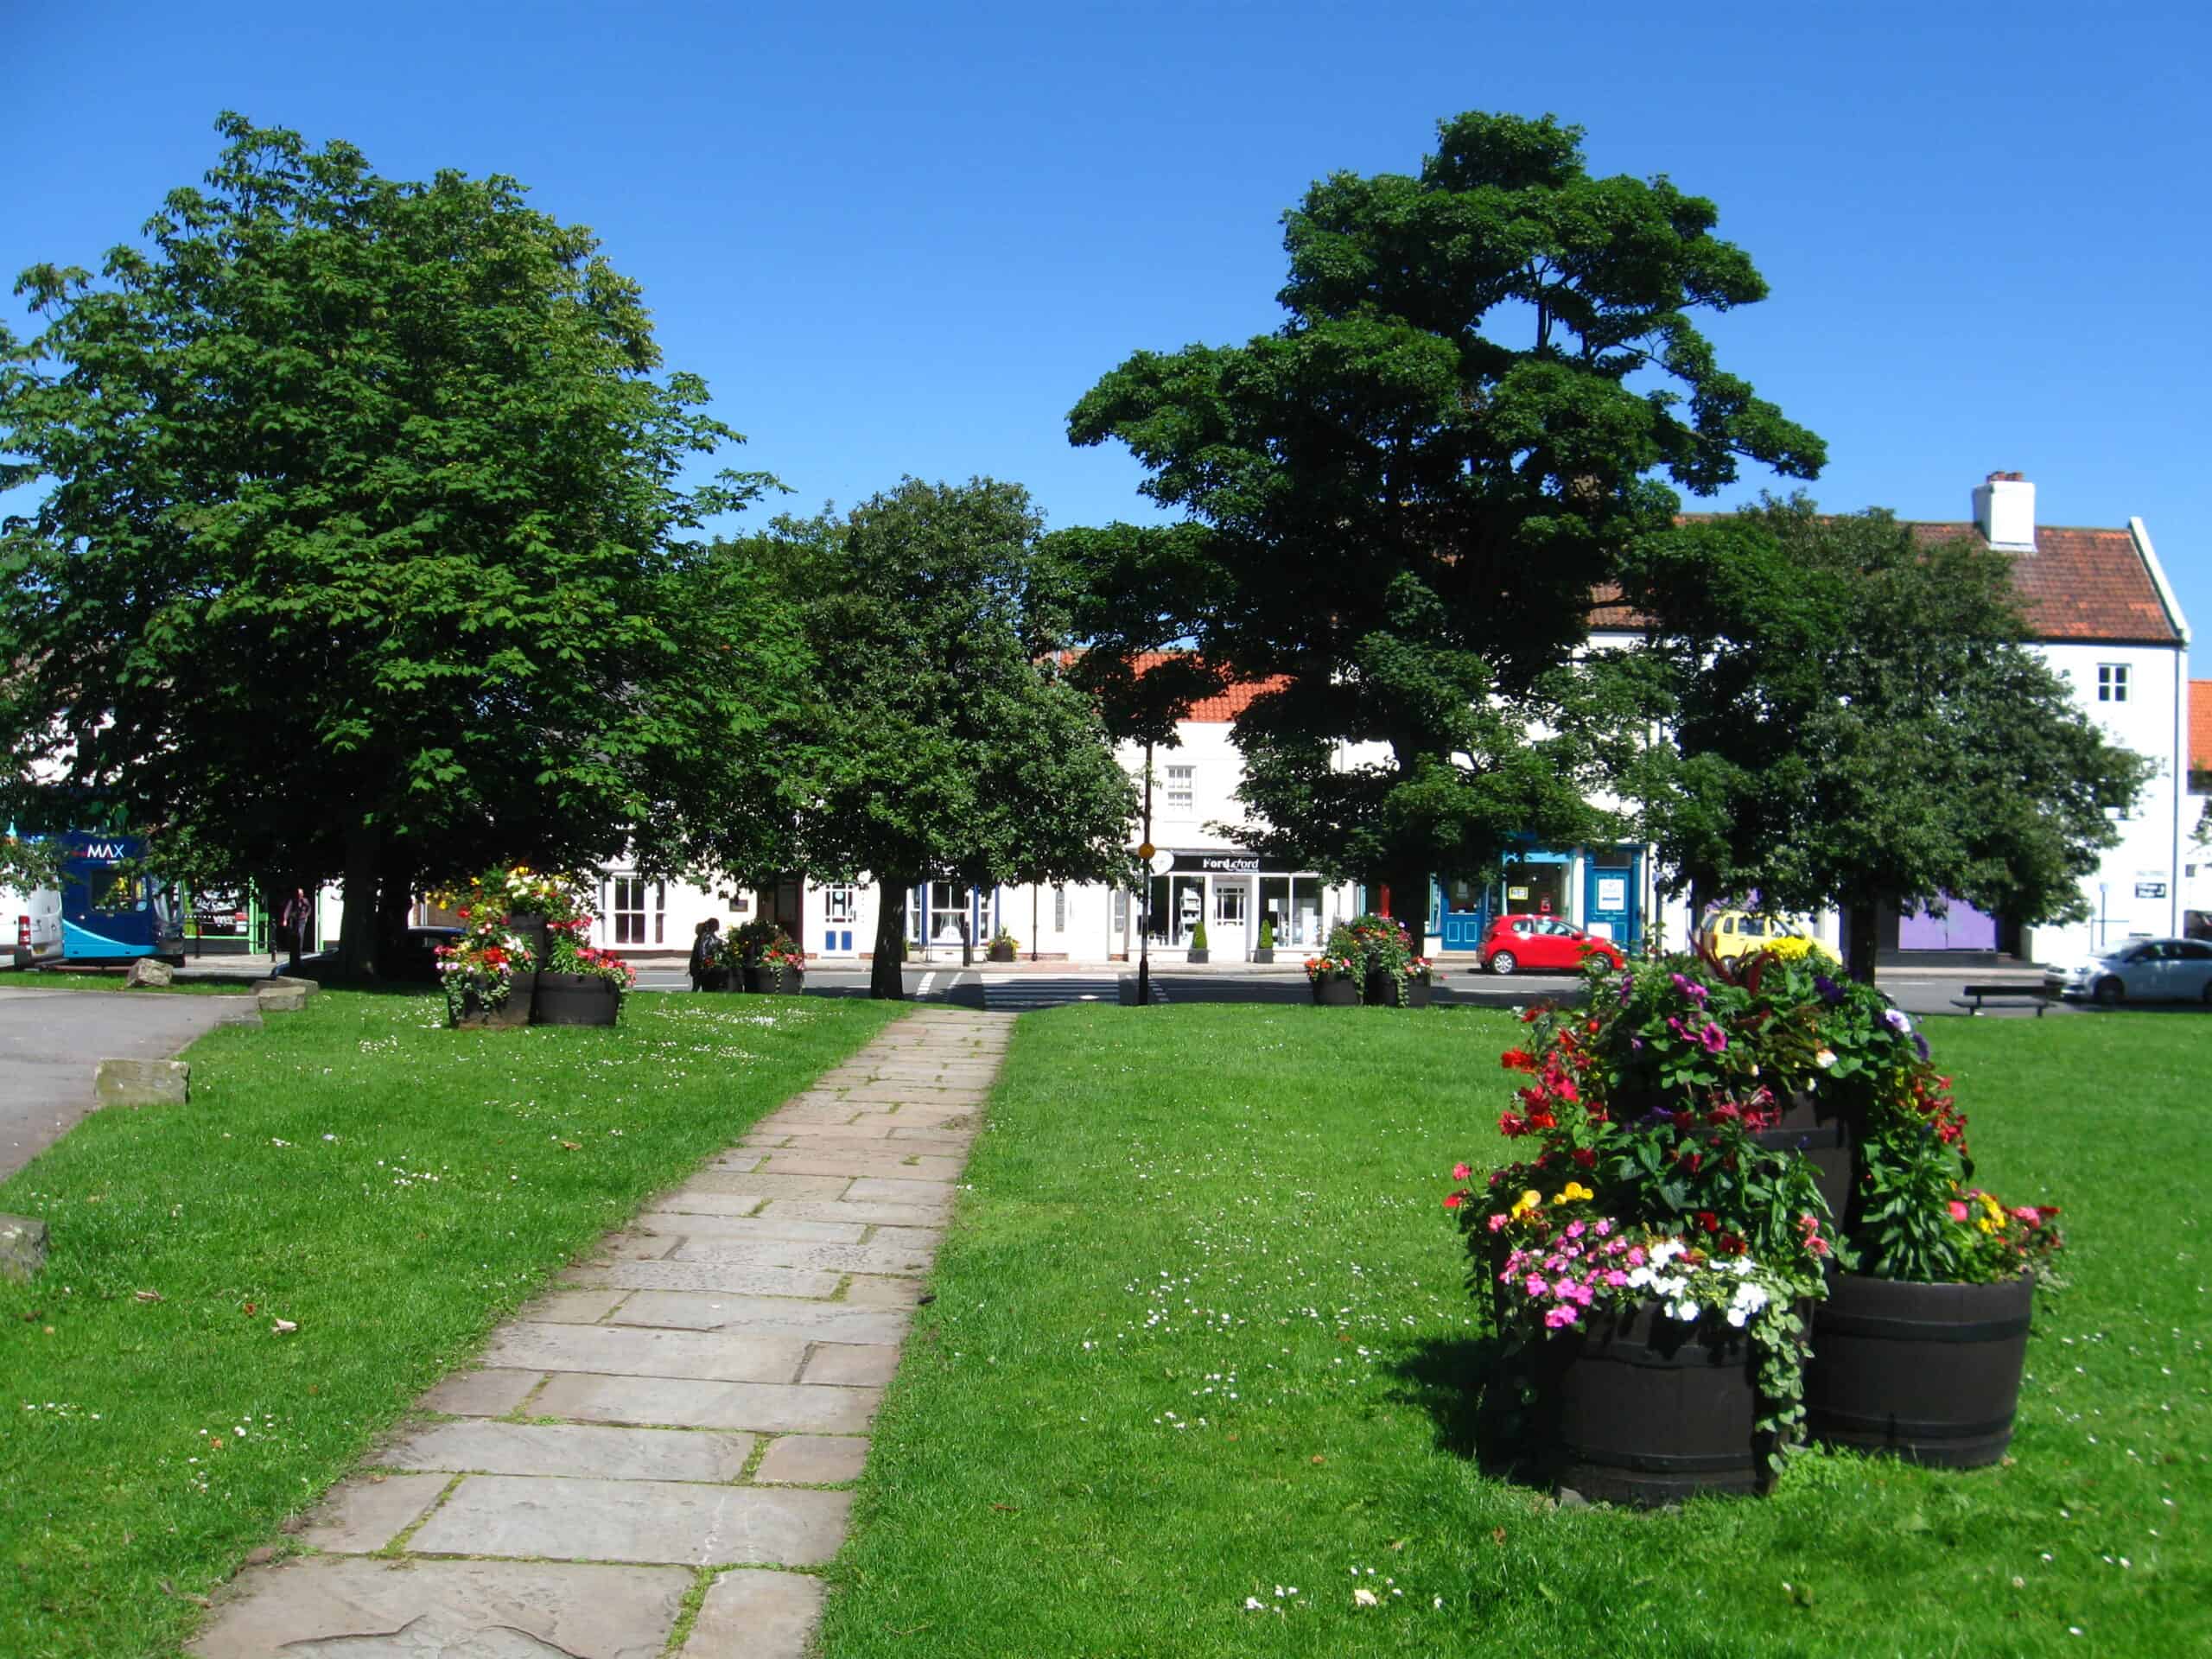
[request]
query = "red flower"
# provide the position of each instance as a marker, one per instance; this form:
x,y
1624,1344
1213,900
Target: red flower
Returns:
x,y
1543,1121
1511,1127
1517,1059
1707,1220
1587,1157
1453,1200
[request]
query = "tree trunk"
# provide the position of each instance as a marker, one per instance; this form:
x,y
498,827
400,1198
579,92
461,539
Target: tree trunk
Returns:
x,y
1700,897
1860,940
357,933
887,975
394,894
1407,903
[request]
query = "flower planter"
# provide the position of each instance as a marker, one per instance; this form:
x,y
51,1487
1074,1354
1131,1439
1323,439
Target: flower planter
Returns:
x,y
1263,953
1196,955
1651,1411
720,979
575,1000
1382,990
1001,953
1928,1373
1336,990
763,978
472,1015
1806,1126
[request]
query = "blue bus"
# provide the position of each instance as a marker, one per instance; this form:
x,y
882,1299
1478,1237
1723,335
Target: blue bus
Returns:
x,y
111,910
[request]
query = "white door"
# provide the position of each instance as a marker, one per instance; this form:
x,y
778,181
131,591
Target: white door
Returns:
x,y
1232,906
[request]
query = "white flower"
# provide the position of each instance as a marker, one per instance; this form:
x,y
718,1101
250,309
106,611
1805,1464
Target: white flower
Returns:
x,y
1685,1311
1639,1277
1737,1316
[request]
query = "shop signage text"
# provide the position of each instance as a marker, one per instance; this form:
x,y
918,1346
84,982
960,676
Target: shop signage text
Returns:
x,y
1219,863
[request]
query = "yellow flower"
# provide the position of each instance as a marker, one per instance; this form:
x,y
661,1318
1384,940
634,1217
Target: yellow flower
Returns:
x,y
1573,1190
1529,1200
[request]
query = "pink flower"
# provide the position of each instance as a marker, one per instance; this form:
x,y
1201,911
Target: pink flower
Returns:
x,y
1574,1230
1460,1171
1536,1287
1635,1256
1558,1318
1497,1221
1958,1211
1616,1278
1565,1288
1604,1225
1712,1039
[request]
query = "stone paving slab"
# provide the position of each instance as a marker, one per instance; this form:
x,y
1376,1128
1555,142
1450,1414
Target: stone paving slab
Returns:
x,y
482,1394
734,1278
571,1450
789,1253
749,1614
369,1511
764,1407
765,1316
641,1521
602,1452
627,1350
332,1607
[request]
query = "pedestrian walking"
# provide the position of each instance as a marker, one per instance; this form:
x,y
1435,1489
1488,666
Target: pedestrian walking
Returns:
x,y
292,926
706,947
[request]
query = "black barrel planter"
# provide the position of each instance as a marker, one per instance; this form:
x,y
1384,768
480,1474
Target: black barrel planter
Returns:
x,y
575,1000
768,980
1000,953
523,985
1651,1410
1807,1125
1382,990
1336,990
1928,1373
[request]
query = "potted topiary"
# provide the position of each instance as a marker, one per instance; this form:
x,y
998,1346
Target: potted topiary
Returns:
x,y
1199,952
1003,946
1265,950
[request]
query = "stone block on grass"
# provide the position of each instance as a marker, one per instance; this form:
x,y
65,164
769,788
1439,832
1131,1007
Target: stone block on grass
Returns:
x,y
23,1248
147,971
280,999
142,1082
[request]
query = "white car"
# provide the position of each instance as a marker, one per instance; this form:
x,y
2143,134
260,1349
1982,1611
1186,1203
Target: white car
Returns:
x,y
2142,971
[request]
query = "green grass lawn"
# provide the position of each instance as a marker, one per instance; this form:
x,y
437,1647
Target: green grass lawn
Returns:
x,y
392,1188
1199,1364
110,980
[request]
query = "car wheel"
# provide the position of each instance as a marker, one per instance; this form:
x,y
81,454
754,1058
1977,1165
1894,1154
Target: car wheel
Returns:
x,y
2109,992
1502,962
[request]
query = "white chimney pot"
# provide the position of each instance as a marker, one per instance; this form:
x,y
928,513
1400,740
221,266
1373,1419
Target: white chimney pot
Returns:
x,y
2005,511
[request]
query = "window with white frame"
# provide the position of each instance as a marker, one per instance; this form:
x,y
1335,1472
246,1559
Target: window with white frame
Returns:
x,y
640,910
1182,788
839,903
2111,682
1060,908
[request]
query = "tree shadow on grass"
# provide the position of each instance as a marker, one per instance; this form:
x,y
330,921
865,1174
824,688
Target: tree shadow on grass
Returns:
x,y
1476,1391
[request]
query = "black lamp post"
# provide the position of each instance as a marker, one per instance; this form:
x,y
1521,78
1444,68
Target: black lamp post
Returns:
x,y
1144,910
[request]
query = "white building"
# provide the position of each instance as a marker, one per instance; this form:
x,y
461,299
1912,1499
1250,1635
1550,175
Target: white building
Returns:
x,y
2101,613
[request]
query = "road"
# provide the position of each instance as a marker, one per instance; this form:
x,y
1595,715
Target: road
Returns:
x,y
51,1040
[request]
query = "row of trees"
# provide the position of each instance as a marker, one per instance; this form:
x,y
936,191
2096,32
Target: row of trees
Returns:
x,y
365,550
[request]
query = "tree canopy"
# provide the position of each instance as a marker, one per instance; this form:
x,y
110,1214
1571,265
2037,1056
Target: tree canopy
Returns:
x,y
943,741
1853,719
1489,377
357,545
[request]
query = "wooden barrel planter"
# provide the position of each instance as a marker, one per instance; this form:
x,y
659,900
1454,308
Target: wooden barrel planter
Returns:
x,y
767,980
1807,1126
1336,990
1382,990
1928,1373
1000,953
1650,1411
575,1000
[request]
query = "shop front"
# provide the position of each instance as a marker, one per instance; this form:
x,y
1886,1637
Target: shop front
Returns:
x,y
1233,894
1599,888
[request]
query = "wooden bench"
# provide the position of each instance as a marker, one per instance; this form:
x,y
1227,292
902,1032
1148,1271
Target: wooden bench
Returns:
x,y
2003,996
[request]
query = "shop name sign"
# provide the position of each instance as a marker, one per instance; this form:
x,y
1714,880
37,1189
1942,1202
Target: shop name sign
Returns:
x,y
1219,863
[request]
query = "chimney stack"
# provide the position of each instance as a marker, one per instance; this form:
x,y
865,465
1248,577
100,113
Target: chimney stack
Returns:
x,y
2005,512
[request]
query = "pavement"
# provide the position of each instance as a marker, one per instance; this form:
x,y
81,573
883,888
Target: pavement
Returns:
x,y
689,1411
51,1040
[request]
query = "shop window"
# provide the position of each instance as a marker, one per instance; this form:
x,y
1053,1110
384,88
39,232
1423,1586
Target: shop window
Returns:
x,y
1182,788
640,910
2111,682
1060,908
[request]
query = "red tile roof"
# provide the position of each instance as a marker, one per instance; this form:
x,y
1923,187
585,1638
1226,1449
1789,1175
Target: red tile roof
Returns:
x,y
2077,585
2082,584
2200,725
1233,700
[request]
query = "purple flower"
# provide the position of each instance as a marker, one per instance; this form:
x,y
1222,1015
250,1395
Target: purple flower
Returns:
x,y
1636,1044
1715,1039
1896,1021
1920,1043
1690,988
1830,991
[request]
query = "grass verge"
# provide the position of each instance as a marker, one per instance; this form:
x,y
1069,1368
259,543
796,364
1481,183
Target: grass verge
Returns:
x,y
1198,1370
391,1187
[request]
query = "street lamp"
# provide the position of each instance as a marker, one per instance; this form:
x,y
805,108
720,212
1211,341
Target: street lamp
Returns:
x,y
1146,852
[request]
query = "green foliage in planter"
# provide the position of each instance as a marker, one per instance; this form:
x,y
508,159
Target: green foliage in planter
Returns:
x,y
1198,938
1268,933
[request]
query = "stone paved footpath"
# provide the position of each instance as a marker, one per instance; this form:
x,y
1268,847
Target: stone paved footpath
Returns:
x,y
690,1411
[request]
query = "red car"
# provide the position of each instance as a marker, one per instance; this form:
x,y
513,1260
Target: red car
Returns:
x,y
1542,944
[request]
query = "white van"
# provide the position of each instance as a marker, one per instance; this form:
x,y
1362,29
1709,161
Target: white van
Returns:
x,y
30,926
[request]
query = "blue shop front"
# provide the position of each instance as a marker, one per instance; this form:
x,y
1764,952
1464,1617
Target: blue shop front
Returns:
x,y
1601,888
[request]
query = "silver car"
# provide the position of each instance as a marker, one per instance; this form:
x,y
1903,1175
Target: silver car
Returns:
x,y
2142,971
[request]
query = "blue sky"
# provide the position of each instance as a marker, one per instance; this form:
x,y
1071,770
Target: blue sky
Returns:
x,y
904,240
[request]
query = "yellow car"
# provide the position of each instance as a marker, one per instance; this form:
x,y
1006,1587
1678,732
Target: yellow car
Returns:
x,y
1736,933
